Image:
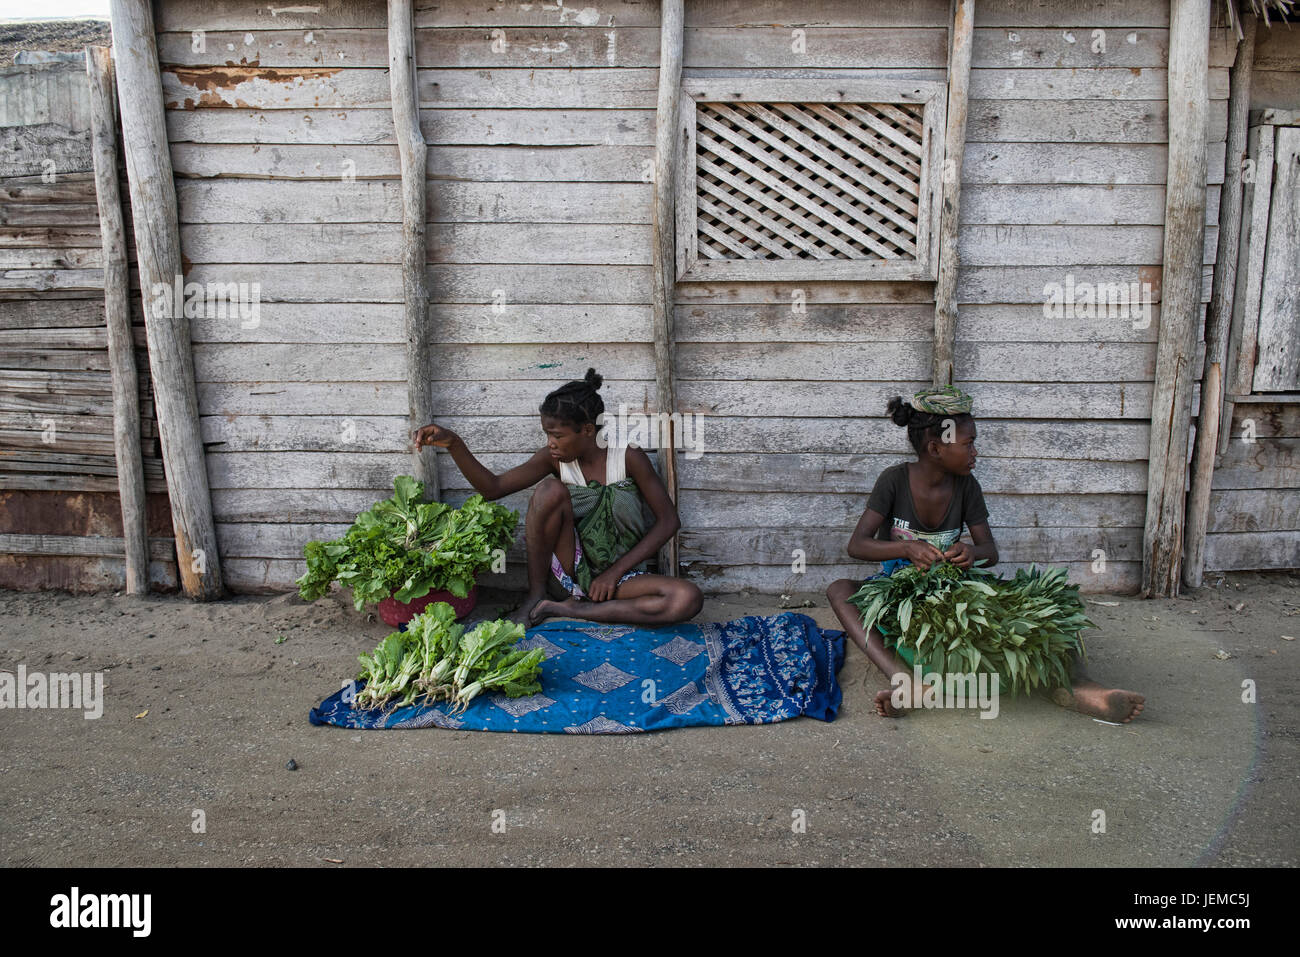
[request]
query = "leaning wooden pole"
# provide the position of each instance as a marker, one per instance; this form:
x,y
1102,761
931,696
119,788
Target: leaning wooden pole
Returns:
x,y
415,267
1171,407
954,149
672,19
1218,317
158,254
117,310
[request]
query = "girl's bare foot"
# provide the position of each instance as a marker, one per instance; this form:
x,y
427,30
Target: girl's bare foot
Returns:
x,y
546,608
1108,704
885,705
526,614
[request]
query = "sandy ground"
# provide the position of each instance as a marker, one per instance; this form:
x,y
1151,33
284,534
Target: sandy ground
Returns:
x,y
203,708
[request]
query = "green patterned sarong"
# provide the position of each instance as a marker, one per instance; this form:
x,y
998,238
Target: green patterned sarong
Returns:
x,y
610,521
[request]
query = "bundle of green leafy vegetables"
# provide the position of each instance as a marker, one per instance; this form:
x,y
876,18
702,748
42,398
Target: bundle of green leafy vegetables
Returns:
x,y
435,659
405,548
1024,629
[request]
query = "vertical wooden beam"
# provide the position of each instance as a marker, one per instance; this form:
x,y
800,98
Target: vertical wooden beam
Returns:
x,y
117,309
158,254
415,268
672,21
1189,49
1218,317
954,148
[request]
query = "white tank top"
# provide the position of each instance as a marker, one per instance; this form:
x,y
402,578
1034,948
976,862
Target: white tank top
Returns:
x,y
615,468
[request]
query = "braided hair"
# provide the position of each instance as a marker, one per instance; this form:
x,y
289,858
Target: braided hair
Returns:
x,y
577,402
922,426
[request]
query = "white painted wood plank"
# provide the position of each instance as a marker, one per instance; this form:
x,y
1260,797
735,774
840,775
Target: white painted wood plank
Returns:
x,y
1078,121
1254,510
471,243
536,127
899,323
464,323
1105,498
1066,204
224,362
370,283
448,165
1083,163
1239,551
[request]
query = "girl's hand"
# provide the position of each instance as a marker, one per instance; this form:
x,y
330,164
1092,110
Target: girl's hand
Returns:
x,y
922,554
433,435
960,554
603,586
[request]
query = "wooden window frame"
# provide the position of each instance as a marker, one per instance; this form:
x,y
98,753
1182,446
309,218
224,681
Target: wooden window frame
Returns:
x,y
931,94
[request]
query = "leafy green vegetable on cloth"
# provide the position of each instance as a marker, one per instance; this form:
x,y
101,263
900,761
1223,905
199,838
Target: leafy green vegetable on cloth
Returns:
x,y
436,659
405,548
953,621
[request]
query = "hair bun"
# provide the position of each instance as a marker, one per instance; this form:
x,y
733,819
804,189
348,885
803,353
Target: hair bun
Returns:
x,y
593,379
901,412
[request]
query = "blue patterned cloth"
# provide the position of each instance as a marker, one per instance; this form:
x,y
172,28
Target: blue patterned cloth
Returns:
x,y
617,679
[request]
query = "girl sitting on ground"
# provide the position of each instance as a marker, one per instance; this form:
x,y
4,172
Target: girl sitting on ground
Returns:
x,y
587,534
915,516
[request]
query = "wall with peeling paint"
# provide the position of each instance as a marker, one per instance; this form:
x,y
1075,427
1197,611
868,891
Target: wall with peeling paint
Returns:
x,y
540,120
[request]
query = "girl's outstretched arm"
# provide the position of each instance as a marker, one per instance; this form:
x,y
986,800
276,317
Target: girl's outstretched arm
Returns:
x,y
488,484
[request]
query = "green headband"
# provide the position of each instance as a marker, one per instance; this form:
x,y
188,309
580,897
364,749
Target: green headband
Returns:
x,y
946,401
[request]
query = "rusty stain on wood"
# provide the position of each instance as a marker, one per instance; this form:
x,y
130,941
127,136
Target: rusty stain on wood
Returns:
x,y
209,81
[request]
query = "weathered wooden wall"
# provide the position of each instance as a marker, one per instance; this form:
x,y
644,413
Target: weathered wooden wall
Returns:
x,y
1277,68
540,121
58,473
1254,516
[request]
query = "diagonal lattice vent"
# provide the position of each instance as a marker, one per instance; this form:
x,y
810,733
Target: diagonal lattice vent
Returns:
x,y
828,181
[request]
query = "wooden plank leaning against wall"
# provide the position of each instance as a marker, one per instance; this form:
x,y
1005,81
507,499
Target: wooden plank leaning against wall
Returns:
x,y
415,281
153,203
1218,320
117,310
1189,30
669,145
954,144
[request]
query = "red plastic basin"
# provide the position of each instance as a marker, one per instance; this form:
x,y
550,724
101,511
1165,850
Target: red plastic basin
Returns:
x,y
394,612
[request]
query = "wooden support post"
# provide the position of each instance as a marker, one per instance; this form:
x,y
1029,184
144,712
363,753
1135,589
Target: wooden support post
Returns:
x,y
1218,317
1189,51
158,252
672,19
954,148
415,268
117,309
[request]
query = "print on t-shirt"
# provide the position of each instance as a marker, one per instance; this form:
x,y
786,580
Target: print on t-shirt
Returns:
x,y
903,531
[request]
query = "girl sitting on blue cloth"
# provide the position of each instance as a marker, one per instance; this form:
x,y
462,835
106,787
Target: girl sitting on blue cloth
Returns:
x,y
588,532
915,516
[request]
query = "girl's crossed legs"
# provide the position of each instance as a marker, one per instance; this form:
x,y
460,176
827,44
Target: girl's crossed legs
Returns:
x,y
550,533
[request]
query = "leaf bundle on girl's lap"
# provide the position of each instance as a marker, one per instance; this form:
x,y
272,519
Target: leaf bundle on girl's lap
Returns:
x,y
914,516
587,533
